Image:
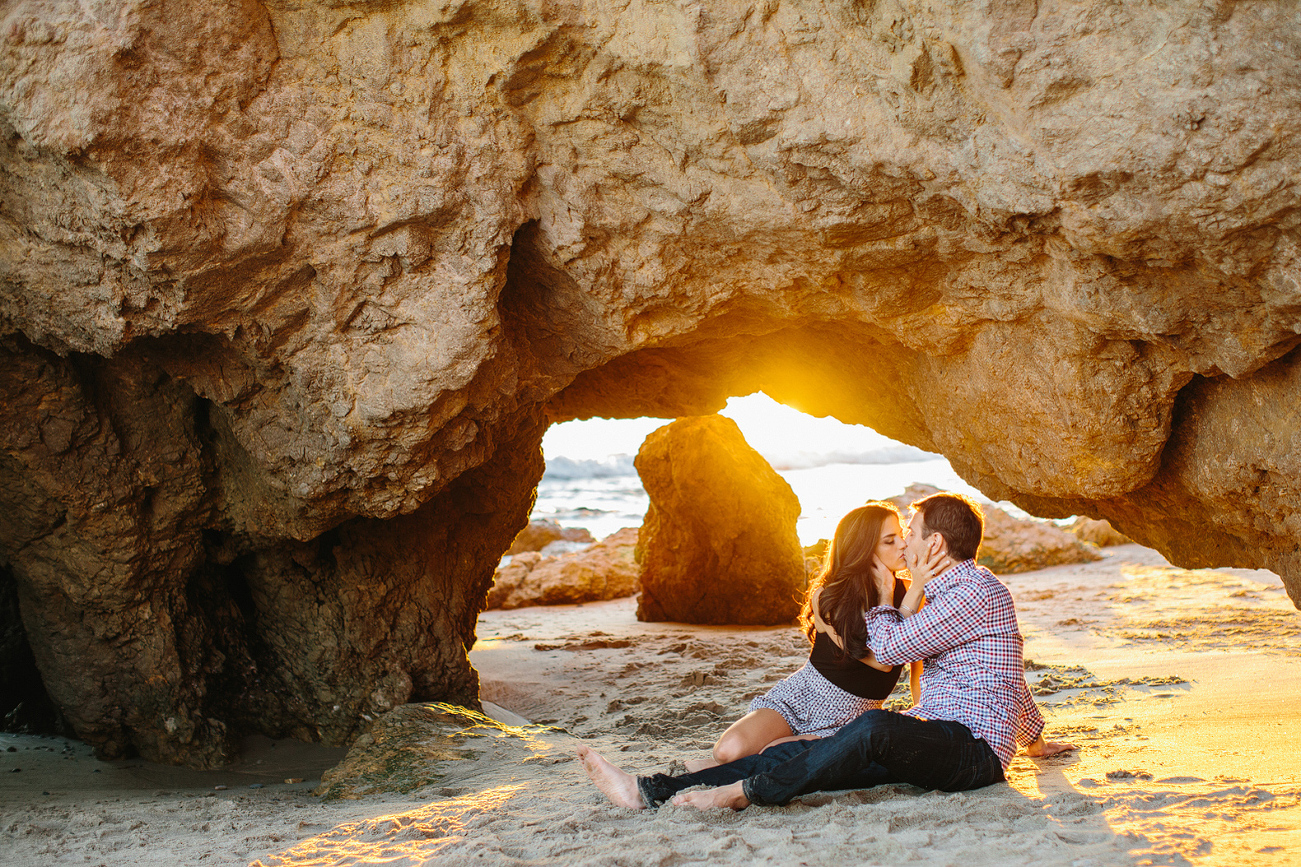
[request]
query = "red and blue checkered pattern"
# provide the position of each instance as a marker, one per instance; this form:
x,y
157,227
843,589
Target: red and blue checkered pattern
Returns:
x,y
973,671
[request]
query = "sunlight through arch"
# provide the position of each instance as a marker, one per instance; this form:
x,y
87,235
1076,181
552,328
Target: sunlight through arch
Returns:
x,y
832,466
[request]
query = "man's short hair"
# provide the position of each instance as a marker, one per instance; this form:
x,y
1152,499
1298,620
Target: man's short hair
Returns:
x,y
957,518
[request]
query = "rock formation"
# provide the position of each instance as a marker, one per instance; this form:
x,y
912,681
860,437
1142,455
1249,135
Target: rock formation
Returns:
x,y
538,534
288,293
814,556
1012,544
1097,532
606,570
162,621
1015,545
718,544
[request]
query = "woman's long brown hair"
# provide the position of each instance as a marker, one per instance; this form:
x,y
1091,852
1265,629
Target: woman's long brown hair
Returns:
x,y
846,578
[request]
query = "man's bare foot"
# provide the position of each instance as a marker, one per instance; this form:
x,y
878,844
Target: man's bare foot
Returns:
x,y
619,786
731,796
700,765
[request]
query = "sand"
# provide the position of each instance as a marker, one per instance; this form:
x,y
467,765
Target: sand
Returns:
x,y
1182,688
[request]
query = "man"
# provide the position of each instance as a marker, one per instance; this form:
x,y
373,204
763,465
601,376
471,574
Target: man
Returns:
x,y
975,706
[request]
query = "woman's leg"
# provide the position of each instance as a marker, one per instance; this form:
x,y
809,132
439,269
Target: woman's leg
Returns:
x,y
658,788
789,739
693,765
750,734
704,764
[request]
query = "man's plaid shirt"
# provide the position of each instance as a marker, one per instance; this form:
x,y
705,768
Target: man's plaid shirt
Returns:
x,y
973,671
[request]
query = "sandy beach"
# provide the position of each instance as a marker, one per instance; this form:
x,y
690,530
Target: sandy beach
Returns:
x,y
1181,688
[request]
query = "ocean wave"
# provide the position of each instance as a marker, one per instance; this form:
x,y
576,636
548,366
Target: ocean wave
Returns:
x,y
564,469
616,466
895,454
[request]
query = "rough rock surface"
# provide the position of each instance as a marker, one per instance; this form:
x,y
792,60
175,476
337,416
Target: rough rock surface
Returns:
x,y
606,570
1097,532
277,279
24,704
538,534
1013,544
159,629
1016,545
718,544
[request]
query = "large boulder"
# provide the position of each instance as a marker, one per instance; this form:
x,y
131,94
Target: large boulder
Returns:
x,y
718,544
605,570
160,629
1013,544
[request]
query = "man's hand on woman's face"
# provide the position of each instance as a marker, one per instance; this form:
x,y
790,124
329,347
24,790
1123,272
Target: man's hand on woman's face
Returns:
x,y
926,566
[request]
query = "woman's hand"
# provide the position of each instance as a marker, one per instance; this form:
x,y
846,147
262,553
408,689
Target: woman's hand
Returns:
x,y
884,580
820,624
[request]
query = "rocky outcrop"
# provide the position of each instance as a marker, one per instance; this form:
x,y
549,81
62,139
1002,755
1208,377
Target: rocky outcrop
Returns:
x,y
24,704
718,544
1016,545
1011,544
1097,532
278,280
814,557
162,625
538,534
606,570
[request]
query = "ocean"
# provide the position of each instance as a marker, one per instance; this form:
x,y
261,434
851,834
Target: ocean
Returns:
x,y
591,482
605,494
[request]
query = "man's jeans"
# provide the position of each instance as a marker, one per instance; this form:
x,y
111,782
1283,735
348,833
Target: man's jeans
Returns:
x,y
880,746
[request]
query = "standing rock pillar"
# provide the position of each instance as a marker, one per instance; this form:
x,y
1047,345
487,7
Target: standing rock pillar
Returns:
x,y
719,543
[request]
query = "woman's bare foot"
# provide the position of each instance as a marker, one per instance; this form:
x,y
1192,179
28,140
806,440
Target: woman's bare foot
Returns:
x,y
619,786
700,765
732,797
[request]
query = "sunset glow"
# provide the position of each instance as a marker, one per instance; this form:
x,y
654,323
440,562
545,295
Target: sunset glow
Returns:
x,y
831,466
781,434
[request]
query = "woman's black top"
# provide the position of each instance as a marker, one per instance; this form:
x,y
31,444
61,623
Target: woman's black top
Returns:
x,y
854,677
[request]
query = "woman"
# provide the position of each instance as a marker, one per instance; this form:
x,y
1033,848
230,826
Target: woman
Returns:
x,y
842,678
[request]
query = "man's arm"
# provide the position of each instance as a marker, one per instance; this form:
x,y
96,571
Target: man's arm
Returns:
x,y
956,617
1030,727
1029,721
1042,749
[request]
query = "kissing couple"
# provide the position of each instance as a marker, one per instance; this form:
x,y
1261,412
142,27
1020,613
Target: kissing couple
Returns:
x,y
817,731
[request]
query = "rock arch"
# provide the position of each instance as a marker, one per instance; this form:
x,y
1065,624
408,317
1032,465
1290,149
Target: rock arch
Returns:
x,y
289,294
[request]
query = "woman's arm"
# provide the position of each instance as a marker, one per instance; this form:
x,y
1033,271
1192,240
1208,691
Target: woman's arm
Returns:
x,y
915,682
823,626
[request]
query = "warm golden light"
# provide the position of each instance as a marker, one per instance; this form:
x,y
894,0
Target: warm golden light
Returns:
x,y
832,467
408,838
